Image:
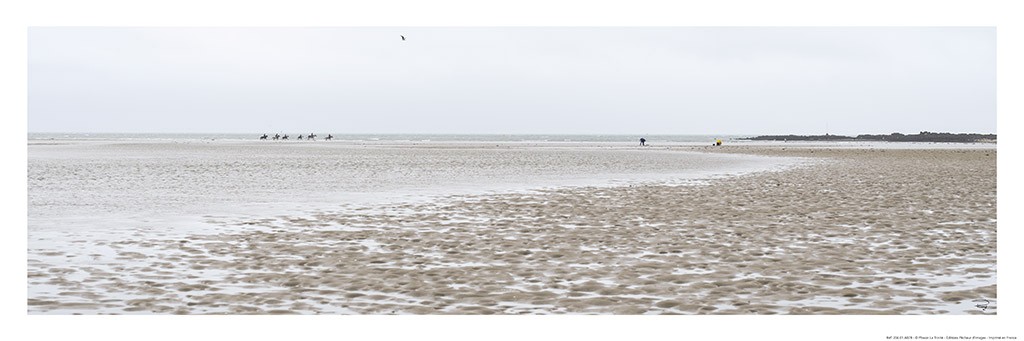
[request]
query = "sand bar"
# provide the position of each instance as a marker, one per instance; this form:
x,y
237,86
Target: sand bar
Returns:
x,y
864,231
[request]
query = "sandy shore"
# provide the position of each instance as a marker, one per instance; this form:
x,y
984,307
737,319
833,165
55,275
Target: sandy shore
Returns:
x,y
864,231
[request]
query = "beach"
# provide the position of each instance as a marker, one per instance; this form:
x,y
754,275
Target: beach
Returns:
x,y
749,229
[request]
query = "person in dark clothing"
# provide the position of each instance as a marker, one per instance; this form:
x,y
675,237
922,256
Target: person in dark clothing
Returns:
x,y
642,141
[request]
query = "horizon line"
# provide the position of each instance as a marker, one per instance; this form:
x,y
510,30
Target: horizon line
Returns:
x,y
512,133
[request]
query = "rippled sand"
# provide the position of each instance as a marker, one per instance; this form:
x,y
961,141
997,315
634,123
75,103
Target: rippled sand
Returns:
x,y
865,231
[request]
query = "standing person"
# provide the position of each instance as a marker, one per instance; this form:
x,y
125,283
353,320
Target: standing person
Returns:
x,y
642,141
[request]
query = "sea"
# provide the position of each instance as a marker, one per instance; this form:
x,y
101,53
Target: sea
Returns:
x,y
79,181
95,180
393,137
86,190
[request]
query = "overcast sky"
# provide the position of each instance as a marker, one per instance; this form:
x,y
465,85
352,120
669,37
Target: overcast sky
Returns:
x,y
668,80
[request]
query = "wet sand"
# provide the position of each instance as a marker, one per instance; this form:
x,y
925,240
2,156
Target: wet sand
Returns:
x,y
862,231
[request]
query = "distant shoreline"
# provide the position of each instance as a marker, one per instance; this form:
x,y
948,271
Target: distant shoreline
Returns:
x,y
654,138
923,136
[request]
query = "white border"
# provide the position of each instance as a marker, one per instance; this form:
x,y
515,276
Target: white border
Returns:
x,y
16,16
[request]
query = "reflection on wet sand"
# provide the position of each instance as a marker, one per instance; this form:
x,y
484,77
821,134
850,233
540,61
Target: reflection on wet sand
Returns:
x,y
866,231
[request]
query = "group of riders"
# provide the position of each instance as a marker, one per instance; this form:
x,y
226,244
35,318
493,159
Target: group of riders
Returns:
x,y
310,137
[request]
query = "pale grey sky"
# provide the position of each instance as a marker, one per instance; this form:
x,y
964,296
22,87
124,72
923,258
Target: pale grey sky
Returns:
x,y
572,80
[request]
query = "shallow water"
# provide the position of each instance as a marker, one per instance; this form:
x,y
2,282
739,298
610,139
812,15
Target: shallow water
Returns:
x,y
102,207
855,232
71,182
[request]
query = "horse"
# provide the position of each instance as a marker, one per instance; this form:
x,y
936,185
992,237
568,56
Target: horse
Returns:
x,y
285,137
329,137
300,136
277,136
264,137
311,137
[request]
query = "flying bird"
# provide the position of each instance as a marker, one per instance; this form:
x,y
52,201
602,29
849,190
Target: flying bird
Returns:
x,y
403,37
